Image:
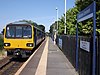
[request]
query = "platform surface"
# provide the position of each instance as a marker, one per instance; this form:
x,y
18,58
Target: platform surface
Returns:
x,y
48,60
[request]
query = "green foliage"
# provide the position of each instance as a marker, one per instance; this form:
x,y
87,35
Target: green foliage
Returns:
x,y
29,22
42,27
53,27
71,20
82,4
85,27
1,42
61,25
98,19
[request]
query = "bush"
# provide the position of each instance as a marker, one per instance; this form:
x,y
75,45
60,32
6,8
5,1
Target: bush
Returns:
x,y
1,42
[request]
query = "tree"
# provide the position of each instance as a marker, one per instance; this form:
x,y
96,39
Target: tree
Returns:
x,y
71,20
42,27
53,27
85,27
88,24
61,25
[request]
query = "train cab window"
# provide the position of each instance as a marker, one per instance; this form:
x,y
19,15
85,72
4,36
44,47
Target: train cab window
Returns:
x,y
27,32
18,31
10,31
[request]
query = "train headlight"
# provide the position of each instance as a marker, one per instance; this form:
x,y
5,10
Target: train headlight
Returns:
x,y
29,44
6,44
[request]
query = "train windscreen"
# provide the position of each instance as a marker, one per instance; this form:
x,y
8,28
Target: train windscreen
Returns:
x,y
18,31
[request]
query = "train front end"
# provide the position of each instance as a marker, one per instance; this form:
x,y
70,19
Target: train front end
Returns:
x,y
19,40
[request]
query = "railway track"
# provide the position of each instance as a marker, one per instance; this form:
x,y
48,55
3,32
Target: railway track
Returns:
x,y
4,62
9,66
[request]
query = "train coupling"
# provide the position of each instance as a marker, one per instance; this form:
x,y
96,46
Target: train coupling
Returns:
x,y
17,52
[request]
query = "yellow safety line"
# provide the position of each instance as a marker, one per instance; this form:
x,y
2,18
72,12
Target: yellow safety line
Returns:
x,y
23,66
41,69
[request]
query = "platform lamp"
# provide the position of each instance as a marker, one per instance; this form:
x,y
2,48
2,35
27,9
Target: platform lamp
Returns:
x,y
65,18
57,19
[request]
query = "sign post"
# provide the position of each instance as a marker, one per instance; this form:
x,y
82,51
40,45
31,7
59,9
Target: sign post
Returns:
x,y
94,40
87,13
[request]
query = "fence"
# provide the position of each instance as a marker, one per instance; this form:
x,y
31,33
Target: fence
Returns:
x,y
68,47
85,58
98,55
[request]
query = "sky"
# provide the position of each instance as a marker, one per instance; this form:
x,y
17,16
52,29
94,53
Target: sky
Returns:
x,y
40,11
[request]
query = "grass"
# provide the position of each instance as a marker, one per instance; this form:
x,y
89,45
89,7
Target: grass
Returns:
x,y
2,52
1,43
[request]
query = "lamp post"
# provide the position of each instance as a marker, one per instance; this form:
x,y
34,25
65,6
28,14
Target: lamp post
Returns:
x,y
57,19
65,17
56,29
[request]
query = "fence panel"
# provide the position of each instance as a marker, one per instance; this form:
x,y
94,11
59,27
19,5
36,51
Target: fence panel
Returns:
x,y
98,55
68,48
85,58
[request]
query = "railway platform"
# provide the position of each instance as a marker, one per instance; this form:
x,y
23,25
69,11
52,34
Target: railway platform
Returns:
x,y
48,59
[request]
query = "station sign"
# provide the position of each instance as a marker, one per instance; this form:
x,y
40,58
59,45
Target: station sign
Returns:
x,y
86,13
60,43
85,45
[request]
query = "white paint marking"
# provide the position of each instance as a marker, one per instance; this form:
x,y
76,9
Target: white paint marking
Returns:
x,y
41,69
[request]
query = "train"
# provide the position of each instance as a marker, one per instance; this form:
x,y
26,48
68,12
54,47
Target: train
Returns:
x,y
20,38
